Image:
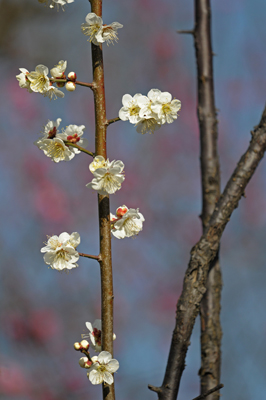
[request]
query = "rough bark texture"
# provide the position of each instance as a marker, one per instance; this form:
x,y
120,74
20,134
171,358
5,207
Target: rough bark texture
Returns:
x,y
211,332
103,203
202,254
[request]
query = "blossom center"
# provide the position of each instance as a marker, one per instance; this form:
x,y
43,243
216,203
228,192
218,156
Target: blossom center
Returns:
x,y
166,108
55,150
134,110
52,133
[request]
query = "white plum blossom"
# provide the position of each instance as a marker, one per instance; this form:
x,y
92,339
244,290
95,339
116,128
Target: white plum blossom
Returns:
x,y
52,92
39,81
107,178
95,334
98,162
99,33
149,112
130,110
53,3
73,134
23,81
166,108
147,125
59,69
126,222
102,368
60,251
55,149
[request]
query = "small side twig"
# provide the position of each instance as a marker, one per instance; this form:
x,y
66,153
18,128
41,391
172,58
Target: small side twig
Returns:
x,y
79,148
111,121
97,258
204,395
187,32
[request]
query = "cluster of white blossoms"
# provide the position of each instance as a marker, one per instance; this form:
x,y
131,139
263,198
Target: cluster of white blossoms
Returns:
x,y
38,80
52,143
108,176
60,251
53,3
95,334
100,368
126,222
149,112
98,32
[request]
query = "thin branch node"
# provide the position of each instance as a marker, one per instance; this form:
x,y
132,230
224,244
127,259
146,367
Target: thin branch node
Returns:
x,y
187,32
155,389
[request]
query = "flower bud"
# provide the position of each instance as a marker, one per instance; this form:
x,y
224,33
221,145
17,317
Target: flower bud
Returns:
x,y
82,361
84,344
72,76
114,336
60,84
70,86
77,346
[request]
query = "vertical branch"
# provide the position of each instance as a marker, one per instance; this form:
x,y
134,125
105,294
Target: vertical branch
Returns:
x,y
211,332
103,203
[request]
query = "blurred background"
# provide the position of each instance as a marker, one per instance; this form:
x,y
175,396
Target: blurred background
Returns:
x,y
43,312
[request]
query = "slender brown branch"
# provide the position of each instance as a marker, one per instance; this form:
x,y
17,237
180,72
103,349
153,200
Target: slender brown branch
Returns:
x,y
111,121
213,390
98,258
103,203
79,148
211,331
90,85
202,254
186,32
65,80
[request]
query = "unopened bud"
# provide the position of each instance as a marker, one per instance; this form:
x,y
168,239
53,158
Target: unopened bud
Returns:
x,y
60,84
121,211
70,86
85,344
72,76
82,361
114,336
77,346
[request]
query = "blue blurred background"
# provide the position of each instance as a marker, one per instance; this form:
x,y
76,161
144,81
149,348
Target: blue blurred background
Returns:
x,y
43,312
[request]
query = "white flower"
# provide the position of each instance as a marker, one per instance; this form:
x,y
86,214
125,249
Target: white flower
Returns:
x,y
147,125
102,369
166,108
60,251
55,149
52,3
59,69
73,134
145,103
107,179
126,223
53,92
51,128
99,33
130,110
98,162
95,334
39,81
23,81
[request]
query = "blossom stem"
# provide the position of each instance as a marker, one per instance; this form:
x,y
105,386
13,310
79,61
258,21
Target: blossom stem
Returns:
x,y
98,258
54,80
103,203
111,121
68,143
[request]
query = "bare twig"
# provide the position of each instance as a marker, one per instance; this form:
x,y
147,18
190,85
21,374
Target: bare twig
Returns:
x,y
202,254
98,258
111,121
213,390
103,203
68,143
211,331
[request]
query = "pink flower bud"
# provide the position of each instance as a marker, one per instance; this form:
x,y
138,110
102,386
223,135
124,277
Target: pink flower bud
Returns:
x,y
72,76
